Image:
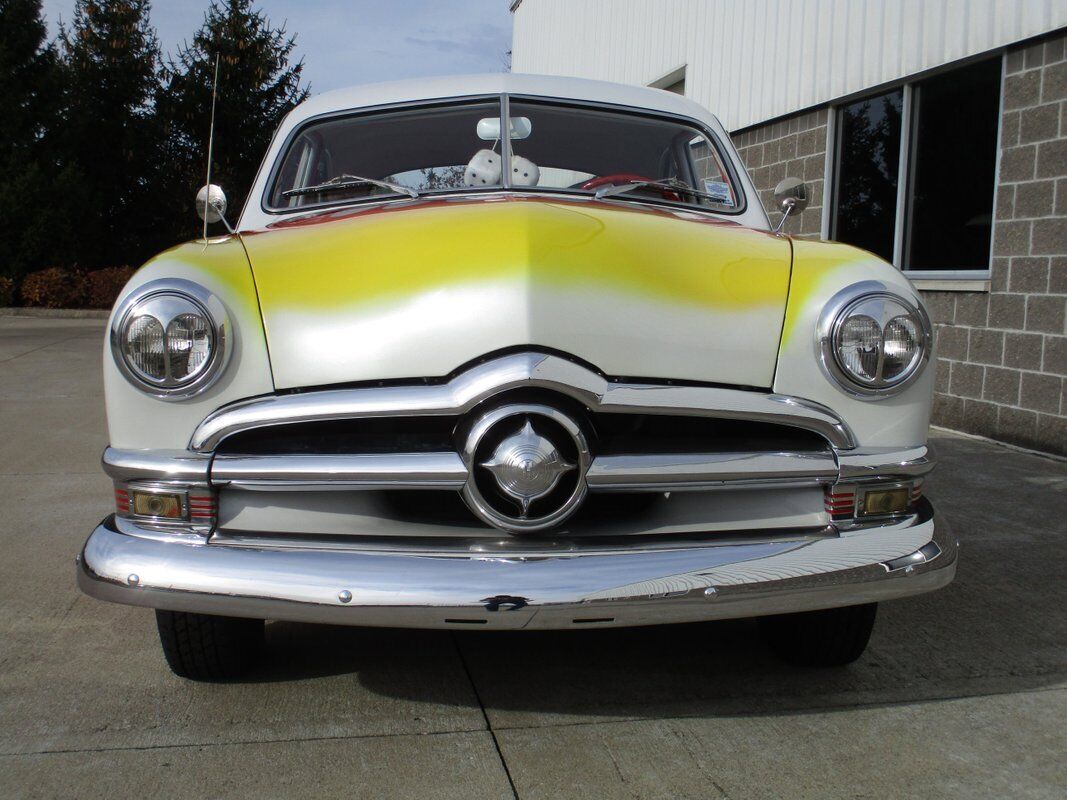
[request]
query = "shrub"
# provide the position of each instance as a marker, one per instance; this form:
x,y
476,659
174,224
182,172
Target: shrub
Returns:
x,y
102,286
54,287
7,291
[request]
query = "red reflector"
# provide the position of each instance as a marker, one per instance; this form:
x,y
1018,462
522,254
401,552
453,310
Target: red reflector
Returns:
x,y
203,508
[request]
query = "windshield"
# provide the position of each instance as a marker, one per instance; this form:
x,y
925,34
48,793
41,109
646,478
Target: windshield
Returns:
x,y
457,148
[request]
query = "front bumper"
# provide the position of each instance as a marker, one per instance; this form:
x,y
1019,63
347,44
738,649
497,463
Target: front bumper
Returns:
x,y
526,585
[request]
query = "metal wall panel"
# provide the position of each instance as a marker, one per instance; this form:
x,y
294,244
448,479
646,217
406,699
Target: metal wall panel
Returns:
x,y
754,60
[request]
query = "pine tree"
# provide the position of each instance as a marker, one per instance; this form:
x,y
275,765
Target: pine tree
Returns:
x,y
257,86
31,233
111,61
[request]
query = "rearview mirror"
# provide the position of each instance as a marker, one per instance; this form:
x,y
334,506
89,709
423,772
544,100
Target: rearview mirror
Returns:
x,y
489,128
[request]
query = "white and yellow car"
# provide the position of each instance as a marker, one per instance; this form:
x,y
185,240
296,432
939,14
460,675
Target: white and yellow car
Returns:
x,y
514,352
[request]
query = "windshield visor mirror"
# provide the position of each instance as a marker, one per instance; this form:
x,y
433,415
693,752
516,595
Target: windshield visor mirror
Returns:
x,y
489,128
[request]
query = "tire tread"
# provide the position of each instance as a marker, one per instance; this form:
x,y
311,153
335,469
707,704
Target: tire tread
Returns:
x,y
825,638
208,648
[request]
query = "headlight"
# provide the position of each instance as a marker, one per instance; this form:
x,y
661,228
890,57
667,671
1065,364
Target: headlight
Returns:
x,y
873,343
169,338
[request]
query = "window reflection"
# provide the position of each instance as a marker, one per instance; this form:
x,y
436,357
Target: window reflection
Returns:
x,y
954,157
869,160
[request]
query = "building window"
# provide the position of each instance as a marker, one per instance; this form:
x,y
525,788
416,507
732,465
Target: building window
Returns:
x,y
954,165
868,159
915,172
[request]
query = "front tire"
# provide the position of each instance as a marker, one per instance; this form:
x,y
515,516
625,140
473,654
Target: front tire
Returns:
x,y
826,638
202,647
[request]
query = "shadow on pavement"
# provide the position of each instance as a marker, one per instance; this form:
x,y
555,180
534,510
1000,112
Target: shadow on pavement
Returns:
x,y
1002,626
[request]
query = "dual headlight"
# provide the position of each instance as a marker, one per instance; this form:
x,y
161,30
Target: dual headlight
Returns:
x,y
169,338
874,343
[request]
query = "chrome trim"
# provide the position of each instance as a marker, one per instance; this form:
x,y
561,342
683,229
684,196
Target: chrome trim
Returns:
x,y
701,471
881,463
521,370
178,290
356,471
498,591
179,466
923,555
834,313
666,472
485,510
524,547
164,530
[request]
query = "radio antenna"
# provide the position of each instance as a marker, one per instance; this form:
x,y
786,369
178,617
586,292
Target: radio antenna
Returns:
x,y
211,144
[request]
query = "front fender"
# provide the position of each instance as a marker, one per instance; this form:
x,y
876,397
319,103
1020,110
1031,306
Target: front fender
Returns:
x,y
137,420
821,270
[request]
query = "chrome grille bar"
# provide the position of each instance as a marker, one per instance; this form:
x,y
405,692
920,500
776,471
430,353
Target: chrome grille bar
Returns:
x,y
357,471
517,371
629,473
701,471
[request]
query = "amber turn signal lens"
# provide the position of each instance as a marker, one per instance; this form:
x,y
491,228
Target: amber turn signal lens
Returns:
x,y
886,501
167,506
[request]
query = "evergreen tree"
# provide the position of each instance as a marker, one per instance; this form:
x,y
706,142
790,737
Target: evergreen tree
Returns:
x,y
31,233
257,86
111,61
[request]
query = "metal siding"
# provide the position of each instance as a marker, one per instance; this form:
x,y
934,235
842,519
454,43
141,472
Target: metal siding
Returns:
x,y
754,61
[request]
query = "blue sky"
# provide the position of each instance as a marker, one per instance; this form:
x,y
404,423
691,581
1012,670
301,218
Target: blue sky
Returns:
x,y
347,42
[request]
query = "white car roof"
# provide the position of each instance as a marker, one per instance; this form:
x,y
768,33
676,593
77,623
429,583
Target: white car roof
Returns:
x,y
407,91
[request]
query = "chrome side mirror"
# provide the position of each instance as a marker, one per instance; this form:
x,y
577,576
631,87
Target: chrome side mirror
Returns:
x,y
211,203
791,196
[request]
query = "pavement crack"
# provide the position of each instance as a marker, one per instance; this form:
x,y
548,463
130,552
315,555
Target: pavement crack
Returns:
x,y
42,347
235,743
485,716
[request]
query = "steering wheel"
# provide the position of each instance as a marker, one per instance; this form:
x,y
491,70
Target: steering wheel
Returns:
x,y
629,177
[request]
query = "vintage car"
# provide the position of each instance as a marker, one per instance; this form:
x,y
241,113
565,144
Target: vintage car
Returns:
x,y
513,352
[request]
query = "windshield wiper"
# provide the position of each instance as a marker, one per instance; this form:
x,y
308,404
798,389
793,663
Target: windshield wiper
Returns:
x,y
673,184
350,182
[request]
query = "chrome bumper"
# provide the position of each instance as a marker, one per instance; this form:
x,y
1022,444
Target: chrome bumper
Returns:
x,y
718,577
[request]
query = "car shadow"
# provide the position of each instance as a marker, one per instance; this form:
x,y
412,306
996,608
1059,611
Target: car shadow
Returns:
x,y
998,628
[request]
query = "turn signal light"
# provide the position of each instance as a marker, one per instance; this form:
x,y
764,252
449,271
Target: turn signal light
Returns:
x,y
157,504
880,502
849,501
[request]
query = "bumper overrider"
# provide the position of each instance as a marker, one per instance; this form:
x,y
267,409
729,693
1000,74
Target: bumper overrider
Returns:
x,y
521,581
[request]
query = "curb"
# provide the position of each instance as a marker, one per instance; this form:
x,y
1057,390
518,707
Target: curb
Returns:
x,y
56,313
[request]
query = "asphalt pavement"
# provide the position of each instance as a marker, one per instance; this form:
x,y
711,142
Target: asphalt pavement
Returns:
x,y
962,693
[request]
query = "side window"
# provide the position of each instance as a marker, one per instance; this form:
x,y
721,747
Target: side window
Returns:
x,y
711,175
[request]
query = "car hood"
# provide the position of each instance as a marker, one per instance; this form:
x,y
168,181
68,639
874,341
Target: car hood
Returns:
x,y
416,290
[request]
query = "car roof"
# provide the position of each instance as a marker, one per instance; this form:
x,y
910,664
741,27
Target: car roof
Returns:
x,y
435,88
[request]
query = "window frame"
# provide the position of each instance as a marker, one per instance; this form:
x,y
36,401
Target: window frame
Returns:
x,y
962,278
730,169
504,100
352,113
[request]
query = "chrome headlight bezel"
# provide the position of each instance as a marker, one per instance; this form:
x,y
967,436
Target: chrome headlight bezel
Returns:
x,y
838,311
165,300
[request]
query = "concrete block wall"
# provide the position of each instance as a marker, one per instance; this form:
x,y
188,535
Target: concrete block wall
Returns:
x,y
1001,354
793,148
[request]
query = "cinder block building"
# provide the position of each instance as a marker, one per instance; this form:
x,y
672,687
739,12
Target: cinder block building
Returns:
x,y
931,132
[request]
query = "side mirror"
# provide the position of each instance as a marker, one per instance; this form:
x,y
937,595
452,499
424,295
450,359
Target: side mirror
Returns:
x,y
211,203
791,195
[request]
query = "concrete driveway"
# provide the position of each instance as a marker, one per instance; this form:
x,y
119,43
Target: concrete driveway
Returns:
x,y
961,694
